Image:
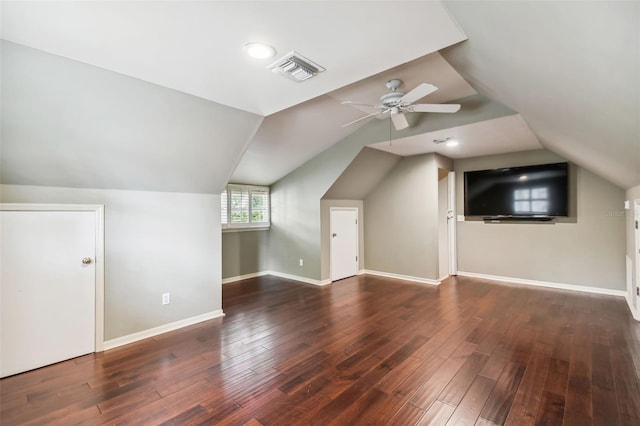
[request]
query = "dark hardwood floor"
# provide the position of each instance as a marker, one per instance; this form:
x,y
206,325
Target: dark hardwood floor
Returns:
x,y
364,350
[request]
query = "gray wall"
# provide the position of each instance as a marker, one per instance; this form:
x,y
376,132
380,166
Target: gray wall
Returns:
x,y
155,242
295,199
589,252
244,252
401,220
295,209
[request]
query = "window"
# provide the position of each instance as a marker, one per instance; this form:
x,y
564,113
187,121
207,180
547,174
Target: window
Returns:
x,y
244,206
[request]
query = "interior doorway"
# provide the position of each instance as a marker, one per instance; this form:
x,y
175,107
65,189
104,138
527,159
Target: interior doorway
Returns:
x,y
344,242
451,223
447,264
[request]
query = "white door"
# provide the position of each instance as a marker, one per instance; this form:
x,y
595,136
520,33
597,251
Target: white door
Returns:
x,y
47,287
344,243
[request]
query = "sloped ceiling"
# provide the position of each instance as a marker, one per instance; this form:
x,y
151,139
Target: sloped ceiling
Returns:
x,y
291,137
571,69
65,123
113,139
196,47
366,170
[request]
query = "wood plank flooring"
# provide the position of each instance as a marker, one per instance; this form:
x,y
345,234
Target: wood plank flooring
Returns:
x,y
365,350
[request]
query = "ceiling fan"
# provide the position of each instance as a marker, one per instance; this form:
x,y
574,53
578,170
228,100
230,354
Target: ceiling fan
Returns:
x,y
396,103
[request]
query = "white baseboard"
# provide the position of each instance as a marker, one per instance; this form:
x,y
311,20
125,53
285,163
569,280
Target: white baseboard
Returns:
x,y
276,274
145,334
634,313
243,277
298,278
548,284
402,277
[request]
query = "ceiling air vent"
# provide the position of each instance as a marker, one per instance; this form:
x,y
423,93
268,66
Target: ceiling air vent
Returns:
x,y
295,67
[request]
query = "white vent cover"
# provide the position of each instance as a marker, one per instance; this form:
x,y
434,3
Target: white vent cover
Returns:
x,y
295,67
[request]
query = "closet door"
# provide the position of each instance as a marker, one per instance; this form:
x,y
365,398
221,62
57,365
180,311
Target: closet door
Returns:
x,y
47,287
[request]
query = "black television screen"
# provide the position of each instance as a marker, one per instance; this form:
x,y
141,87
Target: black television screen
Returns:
x,y
531,191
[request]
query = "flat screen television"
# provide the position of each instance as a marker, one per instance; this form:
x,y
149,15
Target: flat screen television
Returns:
x,y
530,192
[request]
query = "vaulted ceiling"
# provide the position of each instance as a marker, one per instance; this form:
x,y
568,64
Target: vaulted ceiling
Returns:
x,y
568,70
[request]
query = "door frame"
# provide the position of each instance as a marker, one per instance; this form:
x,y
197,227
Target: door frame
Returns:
x,y
98,209
451,223
636,257
354,209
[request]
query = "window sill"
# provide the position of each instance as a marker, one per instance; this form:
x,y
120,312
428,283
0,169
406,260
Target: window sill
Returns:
x,y
250,228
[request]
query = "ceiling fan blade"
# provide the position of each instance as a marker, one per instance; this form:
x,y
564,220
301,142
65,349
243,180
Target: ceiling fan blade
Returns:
x,y
435,107
399,121
360,119
419,92
359,104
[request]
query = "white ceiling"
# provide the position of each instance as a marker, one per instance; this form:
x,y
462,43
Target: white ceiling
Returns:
x,y
293,136
431,69
571,69
497,136
197,47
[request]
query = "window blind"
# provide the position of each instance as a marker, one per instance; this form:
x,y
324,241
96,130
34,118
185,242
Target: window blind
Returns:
x,y
245,206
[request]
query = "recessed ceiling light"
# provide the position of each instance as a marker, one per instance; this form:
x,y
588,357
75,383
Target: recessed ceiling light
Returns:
x,y
448,141
259,50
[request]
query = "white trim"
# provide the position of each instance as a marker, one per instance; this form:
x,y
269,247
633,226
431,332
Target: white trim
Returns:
x,y
361,272
548,284
145,334
629,282
635,315
443,278
452,219
243,277
228,230
99,261
298,278
402,277
635,261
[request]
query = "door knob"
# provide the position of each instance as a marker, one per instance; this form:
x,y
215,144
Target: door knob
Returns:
x,y
334,235
87,260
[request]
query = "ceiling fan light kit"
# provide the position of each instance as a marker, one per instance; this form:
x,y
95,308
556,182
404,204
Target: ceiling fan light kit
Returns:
x,y
397,103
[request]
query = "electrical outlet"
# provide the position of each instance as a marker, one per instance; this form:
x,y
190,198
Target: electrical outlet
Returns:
x,y
301,262
166,298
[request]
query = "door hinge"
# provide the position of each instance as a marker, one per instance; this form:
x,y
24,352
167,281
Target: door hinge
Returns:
x,y
637,291
636,224
357,221
356,258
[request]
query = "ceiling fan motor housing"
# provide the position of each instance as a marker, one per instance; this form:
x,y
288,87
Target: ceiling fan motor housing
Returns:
x,y
391,99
